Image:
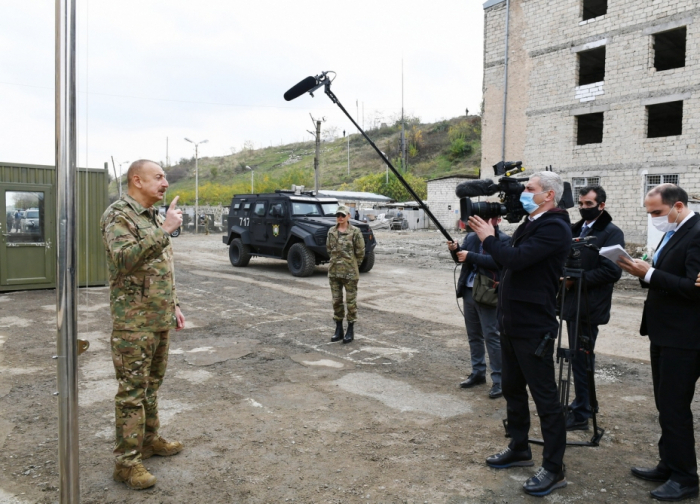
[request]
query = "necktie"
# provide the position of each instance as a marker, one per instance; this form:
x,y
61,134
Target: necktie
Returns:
x,y
663,242
584,231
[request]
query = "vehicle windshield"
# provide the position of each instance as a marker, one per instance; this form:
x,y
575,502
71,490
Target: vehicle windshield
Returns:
x,y
305,208
32,214
329,208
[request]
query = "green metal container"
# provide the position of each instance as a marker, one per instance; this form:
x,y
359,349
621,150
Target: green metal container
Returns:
x,y
28,226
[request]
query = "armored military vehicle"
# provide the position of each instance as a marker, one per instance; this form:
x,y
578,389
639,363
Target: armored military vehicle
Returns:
x,y
288,225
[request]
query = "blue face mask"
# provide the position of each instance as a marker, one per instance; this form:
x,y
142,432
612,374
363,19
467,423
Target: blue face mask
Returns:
x,y
528,202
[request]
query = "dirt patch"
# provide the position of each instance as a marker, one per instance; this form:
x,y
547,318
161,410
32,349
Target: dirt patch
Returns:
x,y
270,411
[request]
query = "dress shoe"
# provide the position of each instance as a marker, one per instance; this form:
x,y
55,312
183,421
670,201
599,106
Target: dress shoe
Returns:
x,y
509,458
472,380
651,474
495,391
572,424
673,491
350,333
338,335
544,482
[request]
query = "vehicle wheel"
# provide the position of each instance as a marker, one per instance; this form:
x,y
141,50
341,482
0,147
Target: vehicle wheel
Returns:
x,y
175,233
367,263
238,253
300,260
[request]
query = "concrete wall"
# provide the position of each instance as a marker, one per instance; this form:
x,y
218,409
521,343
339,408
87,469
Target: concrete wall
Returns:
x,y
442,201
544,99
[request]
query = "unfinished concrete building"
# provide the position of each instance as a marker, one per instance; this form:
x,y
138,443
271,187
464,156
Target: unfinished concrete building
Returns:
x,y
605,91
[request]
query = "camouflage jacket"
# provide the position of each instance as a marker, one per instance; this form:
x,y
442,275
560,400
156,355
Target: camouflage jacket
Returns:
x,y
141,272
346,250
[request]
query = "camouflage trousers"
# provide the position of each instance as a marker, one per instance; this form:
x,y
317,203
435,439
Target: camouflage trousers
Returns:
x,y
140,359
337,285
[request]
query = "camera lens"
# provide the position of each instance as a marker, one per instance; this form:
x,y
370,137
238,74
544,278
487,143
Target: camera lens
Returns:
x,y
481,209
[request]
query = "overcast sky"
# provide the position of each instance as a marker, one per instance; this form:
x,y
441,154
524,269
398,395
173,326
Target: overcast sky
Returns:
x,y
213,69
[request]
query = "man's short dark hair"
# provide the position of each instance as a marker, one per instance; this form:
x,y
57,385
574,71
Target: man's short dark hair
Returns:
x,y
670,194
135,169
600,195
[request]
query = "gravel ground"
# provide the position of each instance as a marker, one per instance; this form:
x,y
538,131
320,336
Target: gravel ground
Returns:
x,y
270,411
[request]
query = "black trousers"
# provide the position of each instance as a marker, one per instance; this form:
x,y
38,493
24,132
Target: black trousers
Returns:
x,y
674,372
521,368
581,405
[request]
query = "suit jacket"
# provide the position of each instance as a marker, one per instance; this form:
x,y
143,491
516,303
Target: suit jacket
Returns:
x,y
599,275
671,316
531,268
483,261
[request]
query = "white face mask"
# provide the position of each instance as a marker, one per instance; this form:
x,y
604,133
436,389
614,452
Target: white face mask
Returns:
x,y
661,223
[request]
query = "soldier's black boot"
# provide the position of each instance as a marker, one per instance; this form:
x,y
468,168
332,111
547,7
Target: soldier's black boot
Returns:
x,y
350,333
338,331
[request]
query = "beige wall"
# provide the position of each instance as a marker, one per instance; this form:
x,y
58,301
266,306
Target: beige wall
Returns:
x,y
543,101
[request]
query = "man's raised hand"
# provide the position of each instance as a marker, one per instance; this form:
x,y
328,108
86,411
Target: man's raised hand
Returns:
x,y
173,217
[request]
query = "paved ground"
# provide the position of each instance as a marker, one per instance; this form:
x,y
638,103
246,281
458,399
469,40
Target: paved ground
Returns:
x,y
270,411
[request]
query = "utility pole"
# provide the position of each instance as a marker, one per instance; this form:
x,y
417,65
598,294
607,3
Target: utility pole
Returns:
x,y
167,157
196,182
403,133
116,182
66,253
318,149
348,155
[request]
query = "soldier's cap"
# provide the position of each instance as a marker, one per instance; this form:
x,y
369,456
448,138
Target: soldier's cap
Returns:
x,y
342,209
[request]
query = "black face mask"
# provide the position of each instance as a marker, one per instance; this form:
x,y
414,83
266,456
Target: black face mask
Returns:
x,y
588,214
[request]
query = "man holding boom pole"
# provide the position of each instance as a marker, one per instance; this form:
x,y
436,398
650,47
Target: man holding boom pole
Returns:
x,y
144,309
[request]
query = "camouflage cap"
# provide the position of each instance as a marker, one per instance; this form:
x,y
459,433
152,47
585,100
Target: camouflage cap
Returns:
x,y
342,209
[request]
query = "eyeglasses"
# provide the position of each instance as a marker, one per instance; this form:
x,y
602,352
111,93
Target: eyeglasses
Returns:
x,y
340,215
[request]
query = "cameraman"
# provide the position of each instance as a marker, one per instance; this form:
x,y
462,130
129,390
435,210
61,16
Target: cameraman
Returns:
x,y
598,278
532,267
480,319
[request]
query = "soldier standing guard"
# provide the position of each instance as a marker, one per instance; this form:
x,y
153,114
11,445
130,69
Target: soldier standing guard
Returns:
x,y
144,308
346,248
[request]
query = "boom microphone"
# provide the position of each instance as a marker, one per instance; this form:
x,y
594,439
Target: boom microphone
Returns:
x,y
299,89
472,188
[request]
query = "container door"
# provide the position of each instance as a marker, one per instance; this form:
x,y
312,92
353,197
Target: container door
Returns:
x,y
26,241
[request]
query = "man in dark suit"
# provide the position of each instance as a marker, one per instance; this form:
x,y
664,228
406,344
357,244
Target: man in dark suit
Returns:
x,y
531,268
480,319
598,278
670,319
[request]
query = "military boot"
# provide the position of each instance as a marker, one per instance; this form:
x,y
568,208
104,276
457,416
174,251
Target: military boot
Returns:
x,y
136,477
338,331
350,333
159,446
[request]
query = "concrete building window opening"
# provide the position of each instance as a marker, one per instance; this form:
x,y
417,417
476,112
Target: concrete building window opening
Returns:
x,y
652,181
669,49
589,128
581,182
665,119
591,66
593,8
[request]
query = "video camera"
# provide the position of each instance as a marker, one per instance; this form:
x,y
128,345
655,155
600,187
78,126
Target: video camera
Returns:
x,y
509,189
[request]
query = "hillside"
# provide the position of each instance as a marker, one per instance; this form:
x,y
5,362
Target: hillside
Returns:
x,y
436,149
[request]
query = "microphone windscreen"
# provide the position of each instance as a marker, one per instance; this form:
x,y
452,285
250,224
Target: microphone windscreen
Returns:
x,y
473,188
299,89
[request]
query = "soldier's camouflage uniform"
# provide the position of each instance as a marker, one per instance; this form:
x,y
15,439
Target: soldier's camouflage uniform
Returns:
x,y
142,301
346,250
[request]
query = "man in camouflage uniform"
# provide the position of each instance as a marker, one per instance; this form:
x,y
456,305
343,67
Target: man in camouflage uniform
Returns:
x,y
346,248
144,308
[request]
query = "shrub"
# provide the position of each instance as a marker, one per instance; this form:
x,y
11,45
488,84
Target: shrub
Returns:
x,y
459,148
